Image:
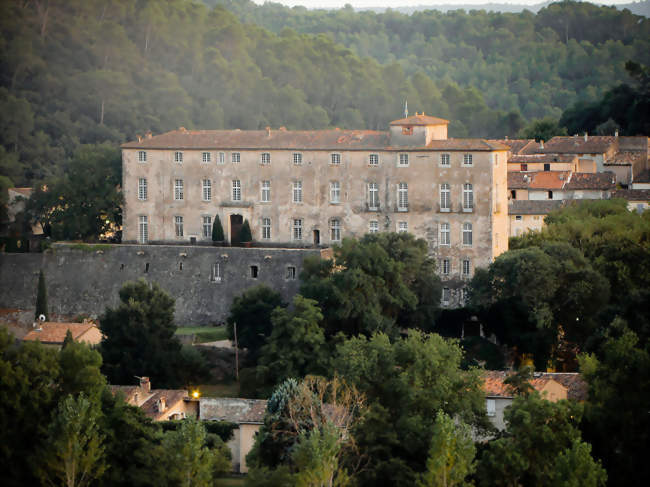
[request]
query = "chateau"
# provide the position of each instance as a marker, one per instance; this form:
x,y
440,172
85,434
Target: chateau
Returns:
x,y
313,188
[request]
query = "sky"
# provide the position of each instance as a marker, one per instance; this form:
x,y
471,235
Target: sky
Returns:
x,y
405,3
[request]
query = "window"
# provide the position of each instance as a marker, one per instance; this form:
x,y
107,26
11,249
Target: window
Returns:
x,y
297,158
215,275
297,191
178,225
407,130
266,228
402,197
335,192
222,157
518,218
207,226
547,167
373,159
207,190
335,230
464,296
445,160
266,158
445,267
178,189
254,271
491,407
266,191
446,295
513,194
524,167
142,189
550,195
291,273
143,229
142,156
373,196
207,157
467,159
444,234
178,156
467,234
445,197
374,226
297,228
336,158
402,227
403,160
236,190
235,157
468,197
467,268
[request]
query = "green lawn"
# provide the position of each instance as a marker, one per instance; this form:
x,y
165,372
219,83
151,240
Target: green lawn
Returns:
x,y
204,333
231,482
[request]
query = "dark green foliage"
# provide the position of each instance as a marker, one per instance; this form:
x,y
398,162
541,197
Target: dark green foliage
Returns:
x,y
543,129
140,337
539,433
381,282
245,233
84,203
479,351
217,230
406,383
222,429
252,313
41,297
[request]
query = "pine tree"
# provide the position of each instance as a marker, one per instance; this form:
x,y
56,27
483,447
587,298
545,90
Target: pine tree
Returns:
x,y
217,230
245,233
41,297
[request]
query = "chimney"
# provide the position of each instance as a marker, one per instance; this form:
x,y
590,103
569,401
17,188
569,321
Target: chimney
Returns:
x,y
586,137
145,384
148,135
162,404
541,144
268,131
616,133
182,129
139,137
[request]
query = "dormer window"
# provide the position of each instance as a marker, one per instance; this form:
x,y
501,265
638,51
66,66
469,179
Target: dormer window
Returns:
x,y
406,130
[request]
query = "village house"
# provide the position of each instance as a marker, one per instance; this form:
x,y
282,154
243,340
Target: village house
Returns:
x,y
313,188
247,414
552,386
158,404
53,334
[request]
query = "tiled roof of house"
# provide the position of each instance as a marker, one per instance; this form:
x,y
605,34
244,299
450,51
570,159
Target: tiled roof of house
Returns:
x,y
234,410
516,146
537,179
595,144
27,192
494,383
541,158
599,180
149,401
54,333
333,140
632,194
626,157
420,119
533,207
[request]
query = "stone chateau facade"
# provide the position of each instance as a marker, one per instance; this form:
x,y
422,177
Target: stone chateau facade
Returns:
x,y
313,188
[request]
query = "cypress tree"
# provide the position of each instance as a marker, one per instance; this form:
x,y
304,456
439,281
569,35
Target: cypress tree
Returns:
x,y
217,230
41,297
245,234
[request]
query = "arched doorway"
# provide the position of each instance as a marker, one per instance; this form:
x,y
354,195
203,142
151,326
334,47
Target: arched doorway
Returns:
x,y
236,222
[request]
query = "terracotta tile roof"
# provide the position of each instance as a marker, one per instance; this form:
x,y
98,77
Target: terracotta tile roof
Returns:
x,y
234,410
537,158
534,207
148,401
516,146
23,191
576,387
632,194
537,179
51,332
595,144
295,140
598,180
624,158
421,119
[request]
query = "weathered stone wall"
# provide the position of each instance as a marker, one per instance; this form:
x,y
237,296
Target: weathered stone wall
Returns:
x,y
87,280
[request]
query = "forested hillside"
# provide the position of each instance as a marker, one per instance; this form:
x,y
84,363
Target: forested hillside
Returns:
x,y
90,71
